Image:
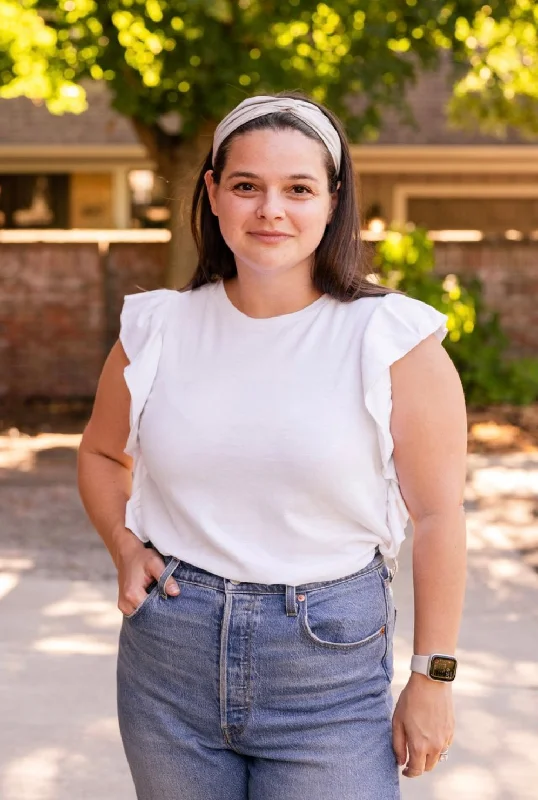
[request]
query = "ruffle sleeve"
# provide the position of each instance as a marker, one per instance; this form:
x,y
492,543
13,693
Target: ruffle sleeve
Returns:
x,y
142,322
396,326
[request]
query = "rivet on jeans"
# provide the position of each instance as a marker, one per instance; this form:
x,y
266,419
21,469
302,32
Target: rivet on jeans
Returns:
x,y
300,597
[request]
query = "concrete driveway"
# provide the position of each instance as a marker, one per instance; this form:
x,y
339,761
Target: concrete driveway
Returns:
x,y
58,634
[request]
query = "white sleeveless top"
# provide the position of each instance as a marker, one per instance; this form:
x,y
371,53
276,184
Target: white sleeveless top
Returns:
x,y
262,447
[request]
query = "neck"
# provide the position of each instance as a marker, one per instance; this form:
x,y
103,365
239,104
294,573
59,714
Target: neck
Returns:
x,y
270,298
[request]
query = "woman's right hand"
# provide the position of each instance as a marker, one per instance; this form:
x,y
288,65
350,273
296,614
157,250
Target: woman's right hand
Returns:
x,y
138,567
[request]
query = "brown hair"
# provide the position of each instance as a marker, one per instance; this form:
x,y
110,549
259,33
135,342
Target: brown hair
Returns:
x,y
341,262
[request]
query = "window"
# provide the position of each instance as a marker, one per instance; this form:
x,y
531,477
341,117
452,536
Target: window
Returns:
x,y
34,201
150,199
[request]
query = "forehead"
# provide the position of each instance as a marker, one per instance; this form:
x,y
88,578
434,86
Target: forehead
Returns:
x,y
283,151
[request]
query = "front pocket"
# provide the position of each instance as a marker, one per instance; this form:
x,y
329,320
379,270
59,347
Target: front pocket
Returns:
x,y
340,645
143,604
347,616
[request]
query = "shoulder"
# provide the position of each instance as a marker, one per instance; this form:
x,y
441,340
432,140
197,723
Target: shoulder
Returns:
x,y
146,303
395,310
142,315
396,324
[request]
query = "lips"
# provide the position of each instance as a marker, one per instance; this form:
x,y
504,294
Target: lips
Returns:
x,y
270,237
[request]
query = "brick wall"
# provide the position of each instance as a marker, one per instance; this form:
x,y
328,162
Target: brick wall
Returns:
x,y
509,273
59,312
60,305
130,268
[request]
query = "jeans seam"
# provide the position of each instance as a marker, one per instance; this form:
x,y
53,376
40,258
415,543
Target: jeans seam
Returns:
x,y
250,692
168,573
223,664
143,604
312,638
347,579
386,589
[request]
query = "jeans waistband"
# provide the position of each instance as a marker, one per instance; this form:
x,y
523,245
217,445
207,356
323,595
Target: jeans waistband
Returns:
x,y
189,572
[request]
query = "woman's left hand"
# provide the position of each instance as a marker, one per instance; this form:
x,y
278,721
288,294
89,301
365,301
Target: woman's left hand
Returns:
x,y
422,724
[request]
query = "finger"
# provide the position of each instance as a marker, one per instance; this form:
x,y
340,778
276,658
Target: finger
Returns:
x,y
131,599
432,760
399,743
446,747
411,772
171,587
416,762
157,567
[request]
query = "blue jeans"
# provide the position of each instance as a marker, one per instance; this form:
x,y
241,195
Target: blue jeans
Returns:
x,y
237,691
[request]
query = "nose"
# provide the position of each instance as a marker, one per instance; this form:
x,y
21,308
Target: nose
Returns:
x,y
271,206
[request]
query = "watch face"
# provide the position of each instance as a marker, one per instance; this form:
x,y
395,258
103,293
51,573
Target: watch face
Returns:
x,y
443,668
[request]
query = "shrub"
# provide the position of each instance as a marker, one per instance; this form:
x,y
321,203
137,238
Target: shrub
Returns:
x,y
476,342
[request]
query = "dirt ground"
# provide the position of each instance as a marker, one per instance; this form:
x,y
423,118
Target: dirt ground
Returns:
x,y
43,526
504,429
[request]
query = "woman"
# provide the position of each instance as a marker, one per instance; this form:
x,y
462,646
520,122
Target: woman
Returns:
x,y
282,417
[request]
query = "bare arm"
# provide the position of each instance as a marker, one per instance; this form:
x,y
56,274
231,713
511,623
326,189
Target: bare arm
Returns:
x,y
105,483
104,470
429,429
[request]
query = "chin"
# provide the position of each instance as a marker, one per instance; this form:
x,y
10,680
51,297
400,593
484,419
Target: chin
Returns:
x,y
274,264
277,259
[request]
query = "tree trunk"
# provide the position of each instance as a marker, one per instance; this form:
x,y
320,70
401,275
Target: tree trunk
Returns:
x,y
185,162
178,161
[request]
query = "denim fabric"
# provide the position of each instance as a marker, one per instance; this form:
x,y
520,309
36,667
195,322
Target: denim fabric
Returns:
x,y
236,691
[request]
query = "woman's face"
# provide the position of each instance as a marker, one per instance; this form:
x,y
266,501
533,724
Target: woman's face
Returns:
x,y
273,200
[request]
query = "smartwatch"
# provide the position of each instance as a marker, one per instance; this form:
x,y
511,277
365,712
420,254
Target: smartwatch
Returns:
x,y
437,667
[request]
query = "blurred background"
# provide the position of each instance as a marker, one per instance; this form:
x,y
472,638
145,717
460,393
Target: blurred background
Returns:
x,y
106,112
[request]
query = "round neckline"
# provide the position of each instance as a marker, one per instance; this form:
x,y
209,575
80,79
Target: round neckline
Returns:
x,y
266,322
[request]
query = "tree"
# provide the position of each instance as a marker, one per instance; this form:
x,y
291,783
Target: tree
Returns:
x,y
176,66
500,85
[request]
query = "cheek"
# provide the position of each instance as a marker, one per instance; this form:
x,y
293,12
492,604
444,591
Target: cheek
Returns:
x,y
233,219
311,222
232,214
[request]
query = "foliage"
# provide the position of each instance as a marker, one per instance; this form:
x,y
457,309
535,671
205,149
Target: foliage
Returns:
x,y
501,86
487,374
174,63
405,260
29,63
476,342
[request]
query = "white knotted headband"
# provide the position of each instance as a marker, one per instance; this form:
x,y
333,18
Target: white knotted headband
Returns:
x,y
261,106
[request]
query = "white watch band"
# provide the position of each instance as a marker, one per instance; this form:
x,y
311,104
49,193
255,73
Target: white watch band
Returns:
x,y
421,664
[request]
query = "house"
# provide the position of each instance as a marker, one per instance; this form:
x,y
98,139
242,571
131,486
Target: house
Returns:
x,y
90,171
70,171
445,179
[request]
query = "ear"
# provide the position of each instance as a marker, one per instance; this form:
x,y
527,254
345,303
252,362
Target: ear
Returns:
x,y
334,201
211,187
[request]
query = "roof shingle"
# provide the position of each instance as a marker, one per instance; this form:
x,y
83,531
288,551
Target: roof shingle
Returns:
x,y
23,122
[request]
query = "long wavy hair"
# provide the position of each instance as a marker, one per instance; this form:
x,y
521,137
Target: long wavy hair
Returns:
x,y
341,262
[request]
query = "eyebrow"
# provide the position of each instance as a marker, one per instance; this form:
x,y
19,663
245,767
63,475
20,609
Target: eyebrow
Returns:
x,y
296,177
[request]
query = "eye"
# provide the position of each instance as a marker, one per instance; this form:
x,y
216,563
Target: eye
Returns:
x,y
243,187
299,189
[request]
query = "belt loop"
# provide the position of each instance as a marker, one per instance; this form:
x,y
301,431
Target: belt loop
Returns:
x,y
291,603
168,570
